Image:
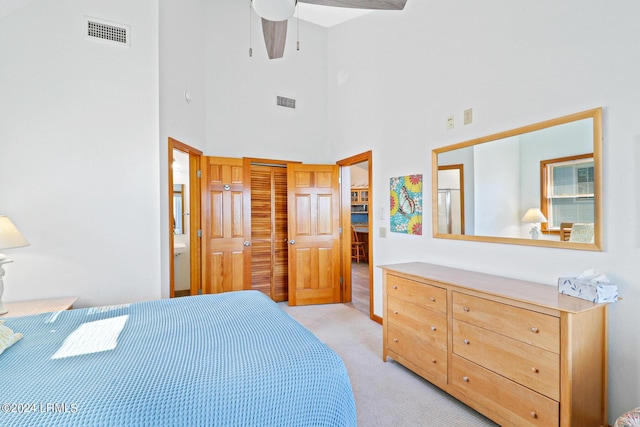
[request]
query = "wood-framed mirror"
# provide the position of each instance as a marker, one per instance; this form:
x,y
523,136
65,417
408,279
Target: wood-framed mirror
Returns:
x,y
537,185
178,209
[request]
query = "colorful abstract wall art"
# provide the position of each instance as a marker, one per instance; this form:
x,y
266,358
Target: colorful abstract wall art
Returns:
x,y
406,204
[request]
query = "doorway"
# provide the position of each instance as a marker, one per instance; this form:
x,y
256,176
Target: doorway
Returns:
x,y
451,199
358,258
184,219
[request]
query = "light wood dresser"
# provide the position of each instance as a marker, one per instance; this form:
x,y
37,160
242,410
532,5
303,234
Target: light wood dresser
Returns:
x,y
518,352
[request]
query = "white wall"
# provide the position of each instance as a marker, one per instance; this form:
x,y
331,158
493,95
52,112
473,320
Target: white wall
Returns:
x,y
497,188
242,119
395,77
182,69
360,175
79,152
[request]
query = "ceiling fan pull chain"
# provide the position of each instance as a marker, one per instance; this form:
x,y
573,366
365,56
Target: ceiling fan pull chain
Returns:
x,y
298,23
250,31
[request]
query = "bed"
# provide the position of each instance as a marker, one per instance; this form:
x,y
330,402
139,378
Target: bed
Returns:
x,y
233,359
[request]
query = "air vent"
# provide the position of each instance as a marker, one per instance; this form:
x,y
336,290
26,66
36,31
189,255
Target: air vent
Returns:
x,y
283,101
97,29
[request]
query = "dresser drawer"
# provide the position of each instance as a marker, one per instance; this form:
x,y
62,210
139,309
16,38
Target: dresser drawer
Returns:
x,y
531,366
429,325
540,330
431,359
428,296
513,402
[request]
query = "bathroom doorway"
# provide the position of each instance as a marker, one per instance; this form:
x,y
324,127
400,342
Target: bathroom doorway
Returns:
x,y
184,218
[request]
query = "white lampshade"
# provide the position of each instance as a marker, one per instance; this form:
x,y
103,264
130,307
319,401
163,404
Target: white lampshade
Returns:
x,y
273,10
534,215
10,237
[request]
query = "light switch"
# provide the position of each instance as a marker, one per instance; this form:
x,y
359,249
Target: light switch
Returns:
x,y
468,116
383,232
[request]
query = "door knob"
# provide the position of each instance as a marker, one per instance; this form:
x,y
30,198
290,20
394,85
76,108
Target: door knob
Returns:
x,y
247,243
292,242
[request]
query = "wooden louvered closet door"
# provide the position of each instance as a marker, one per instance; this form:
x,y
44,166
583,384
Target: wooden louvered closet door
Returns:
x,y
269,231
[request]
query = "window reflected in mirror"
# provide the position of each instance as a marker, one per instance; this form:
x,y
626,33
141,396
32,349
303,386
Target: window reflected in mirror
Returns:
x,y
567,191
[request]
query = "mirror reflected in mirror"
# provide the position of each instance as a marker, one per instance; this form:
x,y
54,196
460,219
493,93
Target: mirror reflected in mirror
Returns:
x,y
178,208
536,185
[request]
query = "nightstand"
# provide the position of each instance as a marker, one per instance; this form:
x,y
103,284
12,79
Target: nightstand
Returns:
x,y
27,308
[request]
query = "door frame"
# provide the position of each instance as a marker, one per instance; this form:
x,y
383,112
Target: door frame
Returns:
x,y
195,243
345,215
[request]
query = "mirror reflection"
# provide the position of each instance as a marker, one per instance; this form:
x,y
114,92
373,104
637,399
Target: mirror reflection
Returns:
x,y
451,199
536,185
178,208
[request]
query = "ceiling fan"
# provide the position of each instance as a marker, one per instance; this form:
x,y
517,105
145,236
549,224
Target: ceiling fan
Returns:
x,y
275,13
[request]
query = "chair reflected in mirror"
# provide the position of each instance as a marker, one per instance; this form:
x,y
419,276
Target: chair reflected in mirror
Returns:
x,y
565,231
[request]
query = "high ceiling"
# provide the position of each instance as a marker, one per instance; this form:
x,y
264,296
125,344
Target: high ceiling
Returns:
x,y
8,6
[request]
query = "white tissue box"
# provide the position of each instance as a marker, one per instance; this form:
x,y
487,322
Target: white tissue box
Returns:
x,y
590,290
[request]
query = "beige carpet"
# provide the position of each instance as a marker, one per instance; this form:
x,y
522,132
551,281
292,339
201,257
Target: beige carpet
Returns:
x,y
386,394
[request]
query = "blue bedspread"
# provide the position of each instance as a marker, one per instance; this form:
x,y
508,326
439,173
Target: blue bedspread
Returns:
x,y
234,359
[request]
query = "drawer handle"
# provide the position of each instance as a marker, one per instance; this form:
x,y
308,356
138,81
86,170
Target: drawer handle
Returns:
x,y
465,379
534,330
433,328
466,309
395,287
395,340
466,342
433,360
533,414
433,299
395,311
535,370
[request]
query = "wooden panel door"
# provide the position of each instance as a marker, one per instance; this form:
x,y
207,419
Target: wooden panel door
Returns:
x,y
314,234
227,225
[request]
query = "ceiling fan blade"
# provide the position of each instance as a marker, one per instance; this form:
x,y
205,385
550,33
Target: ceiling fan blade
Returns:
x,y
361,4
275,36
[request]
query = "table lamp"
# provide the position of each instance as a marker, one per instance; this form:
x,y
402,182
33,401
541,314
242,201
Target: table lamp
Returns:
x,y
10,237
534,216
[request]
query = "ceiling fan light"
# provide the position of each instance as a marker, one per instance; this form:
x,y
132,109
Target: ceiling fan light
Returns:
x,y
272,10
